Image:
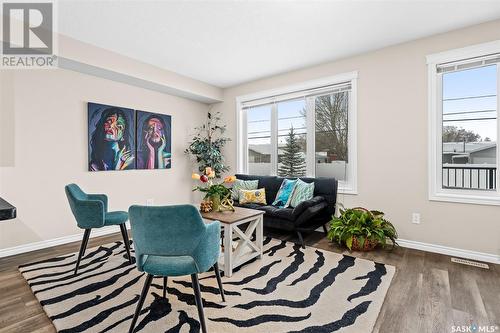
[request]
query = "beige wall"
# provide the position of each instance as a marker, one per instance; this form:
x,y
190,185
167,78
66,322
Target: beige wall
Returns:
x,y
6,121
49,141
392,139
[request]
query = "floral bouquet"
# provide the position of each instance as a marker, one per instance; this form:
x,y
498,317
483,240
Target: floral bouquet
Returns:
x,y
217,193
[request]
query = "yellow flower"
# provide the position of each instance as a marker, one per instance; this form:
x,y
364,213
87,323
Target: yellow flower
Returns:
x,y
208,170
211,174
195,176
229,179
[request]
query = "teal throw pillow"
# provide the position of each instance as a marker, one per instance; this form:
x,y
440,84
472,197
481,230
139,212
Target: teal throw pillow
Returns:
x,y
303,191
285,193
243,185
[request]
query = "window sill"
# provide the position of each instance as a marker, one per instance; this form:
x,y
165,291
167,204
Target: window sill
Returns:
x,y
474,199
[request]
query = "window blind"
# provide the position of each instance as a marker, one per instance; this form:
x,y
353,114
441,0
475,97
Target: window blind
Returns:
x,y
468,63
330,89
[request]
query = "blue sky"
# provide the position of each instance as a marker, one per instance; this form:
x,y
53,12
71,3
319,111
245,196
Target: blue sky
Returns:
x,y
480,81
289,114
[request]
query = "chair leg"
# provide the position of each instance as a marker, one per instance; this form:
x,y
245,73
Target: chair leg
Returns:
x,y
301,240
138,309
325,229
165,279
199,301
219,281
85,241
126,240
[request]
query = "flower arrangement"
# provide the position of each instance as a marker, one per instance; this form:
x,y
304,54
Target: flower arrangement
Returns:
x,y
215,192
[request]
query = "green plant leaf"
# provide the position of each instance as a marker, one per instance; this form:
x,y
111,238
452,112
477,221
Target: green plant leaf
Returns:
x,y
363,224
348,242
361,240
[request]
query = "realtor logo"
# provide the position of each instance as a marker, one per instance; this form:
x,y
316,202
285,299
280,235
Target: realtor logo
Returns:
x,y
28,38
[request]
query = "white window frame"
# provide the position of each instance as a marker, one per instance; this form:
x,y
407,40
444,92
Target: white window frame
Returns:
x,y
436,190
350,186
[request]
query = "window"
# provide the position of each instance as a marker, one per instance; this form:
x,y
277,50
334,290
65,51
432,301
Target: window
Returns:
x,y
331,131
292,138
304,130
464,126
259,140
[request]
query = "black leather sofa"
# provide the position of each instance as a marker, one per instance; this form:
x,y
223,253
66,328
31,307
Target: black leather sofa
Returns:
x,y
307,216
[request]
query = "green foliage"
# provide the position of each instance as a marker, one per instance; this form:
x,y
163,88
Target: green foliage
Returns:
x,y
292,162
207,144
216,189
363,224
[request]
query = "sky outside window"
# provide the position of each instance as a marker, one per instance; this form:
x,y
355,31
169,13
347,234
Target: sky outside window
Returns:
x,y
472,114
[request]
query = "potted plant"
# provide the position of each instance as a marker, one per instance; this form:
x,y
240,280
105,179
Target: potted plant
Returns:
x,y
361,229
215,192
206,146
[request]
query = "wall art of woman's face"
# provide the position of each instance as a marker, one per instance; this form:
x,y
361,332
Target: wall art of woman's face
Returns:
x,y
153,137
114,128
111,133
155,130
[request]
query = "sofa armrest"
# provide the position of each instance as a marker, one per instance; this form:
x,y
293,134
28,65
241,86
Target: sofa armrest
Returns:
x,y
311,212
304,205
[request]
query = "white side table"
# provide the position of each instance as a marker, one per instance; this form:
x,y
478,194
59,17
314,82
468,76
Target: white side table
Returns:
x,y
238,245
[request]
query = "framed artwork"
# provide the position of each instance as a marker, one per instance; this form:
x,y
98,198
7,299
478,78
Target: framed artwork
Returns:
x,y
111,137
154,140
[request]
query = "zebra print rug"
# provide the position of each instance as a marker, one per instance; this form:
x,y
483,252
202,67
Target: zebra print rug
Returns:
x,y
290,290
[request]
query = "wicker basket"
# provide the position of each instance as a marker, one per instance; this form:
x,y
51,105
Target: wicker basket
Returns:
x,y
368,246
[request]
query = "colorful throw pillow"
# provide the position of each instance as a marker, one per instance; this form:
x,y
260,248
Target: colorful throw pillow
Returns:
x,y
243,185
253,196
302,191
285,193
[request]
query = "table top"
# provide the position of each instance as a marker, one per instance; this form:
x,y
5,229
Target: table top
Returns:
x,y
7,211
229,217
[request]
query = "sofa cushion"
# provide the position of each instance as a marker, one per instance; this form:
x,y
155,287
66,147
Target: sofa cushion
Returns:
x,y
282,213
271,211
243,185
285,193
303,191
248,205
252,196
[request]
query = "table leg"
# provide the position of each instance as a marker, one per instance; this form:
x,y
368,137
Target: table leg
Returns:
x,y
259,235
228,250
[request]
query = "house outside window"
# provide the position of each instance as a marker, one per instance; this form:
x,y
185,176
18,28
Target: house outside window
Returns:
x,y
463,124
305,130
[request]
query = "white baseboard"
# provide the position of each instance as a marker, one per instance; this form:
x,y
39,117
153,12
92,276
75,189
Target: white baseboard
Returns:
x,y
450,251
58,241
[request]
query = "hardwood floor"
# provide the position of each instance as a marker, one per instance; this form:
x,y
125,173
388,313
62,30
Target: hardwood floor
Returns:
x,y
429,293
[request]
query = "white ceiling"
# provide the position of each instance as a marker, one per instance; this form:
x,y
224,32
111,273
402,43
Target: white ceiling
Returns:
x,y
226,43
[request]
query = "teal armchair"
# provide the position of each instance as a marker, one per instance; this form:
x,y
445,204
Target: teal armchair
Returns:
x,y
91,211
174,241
